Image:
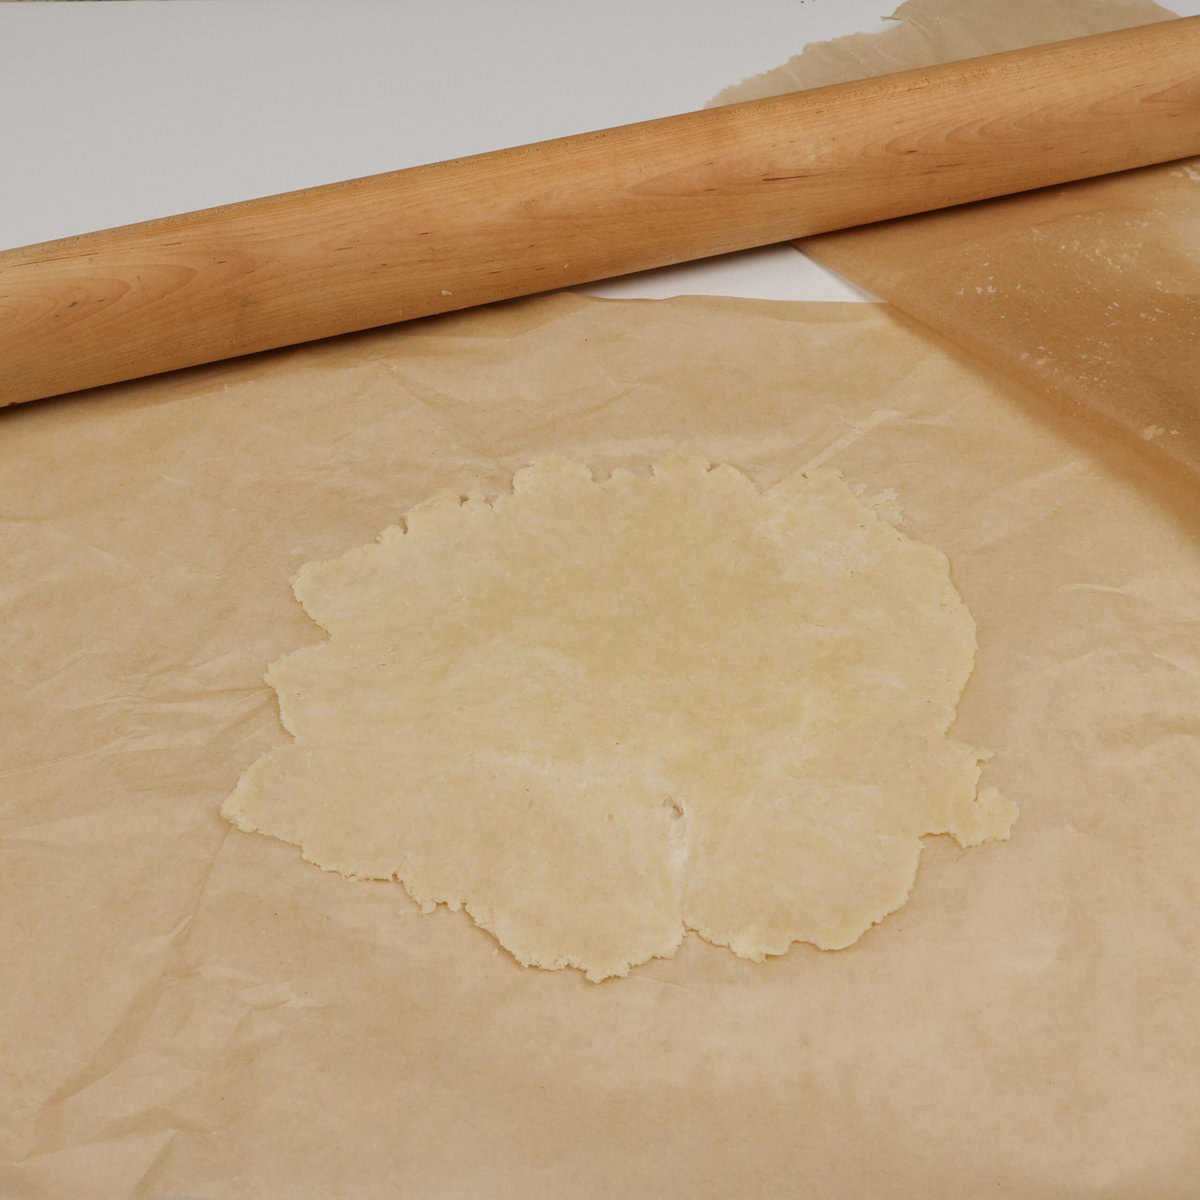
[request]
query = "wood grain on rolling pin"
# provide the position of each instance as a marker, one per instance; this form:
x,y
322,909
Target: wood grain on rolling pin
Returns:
x,y
226,281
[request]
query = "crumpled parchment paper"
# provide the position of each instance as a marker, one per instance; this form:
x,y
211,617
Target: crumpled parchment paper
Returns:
x,y
190,1011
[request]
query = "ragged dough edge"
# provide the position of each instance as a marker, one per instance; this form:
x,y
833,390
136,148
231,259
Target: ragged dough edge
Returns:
x,y
995,814
761,953
238,817
593,973
991,818
989,815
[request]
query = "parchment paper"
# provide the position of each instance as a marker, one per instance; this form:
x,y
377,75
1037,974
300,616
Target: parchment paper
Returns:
x,y
1089,293
190,1011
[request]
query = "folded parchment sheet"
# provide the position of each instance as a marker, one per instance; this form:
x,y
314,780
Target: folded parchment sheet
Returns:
x,y
1088,293
188,1010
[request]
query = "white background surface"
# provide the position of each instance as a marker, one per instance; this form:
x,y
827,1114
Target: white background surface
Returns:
x,y
121,111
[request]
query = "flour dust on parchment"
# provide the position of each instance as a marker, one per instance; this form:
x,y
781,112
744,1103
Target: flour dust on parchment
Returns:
x,y
598,714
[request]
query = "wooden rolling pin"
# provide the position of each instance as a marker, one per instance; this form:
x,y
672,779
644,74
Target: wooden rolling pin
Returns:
x,y
220,282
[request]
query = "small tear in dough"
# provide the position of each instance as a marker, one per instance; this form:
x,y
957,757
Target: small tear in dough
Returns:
x,y
598,714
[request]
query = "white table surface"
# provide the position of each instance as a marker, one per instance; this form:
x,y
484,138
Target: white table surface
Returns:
x,y
121,111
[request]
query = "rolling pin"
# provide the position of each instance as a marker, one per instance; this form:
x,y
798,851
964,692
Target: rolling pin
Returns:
x,y
220,282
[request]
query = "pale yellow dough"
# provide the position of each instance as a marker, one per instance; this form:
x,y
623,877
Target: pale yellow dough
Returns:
x,y
597,714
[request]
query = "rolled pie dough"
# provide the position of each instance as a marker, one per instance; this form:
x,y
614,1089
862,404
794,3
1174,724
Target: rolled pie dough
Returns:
x,y
598,714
